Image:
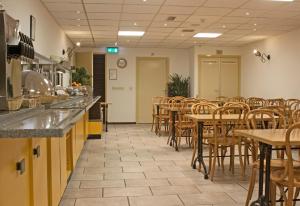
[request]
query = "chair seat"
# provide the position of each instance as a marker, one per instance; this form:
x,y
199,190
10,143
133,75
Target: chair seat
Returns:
x,y
185,125
224,141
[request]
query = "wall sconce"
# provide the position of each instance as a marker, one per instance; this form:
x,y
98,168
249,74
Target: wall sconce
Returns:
x,y
263,57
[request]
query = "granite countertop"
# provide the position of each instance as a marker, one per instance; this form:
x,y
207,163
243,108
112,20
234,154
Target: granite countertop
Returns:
x,y
42,122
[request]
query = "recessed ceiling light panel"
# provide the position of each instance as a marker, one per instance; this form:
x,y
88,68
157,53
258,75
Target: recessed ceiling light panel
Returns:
x,y
207,35
131,33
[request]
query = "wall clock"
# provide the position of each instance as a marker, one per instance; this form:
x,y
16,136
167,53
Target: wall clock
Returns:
x,y
122,63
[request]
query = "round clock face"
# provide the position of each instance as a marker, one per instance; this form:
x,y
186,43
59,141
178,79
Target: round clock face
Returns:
x,y
122,63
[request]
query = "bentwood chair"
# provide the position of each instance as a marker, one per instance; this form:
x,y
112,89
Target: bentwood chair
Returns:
x,y
275,102
184,126
163,116
224,136
155,101
255,102
262,119
237,99
296,116
288,176
202,108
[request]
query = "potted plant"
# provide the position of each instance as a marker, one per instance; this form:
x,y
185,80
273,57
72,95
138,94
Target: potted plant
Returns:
x,y
80,77
178,85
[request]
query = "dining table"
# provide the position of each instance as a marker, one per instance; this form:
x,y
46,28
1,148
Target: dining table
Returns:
x,y
201,120
267,138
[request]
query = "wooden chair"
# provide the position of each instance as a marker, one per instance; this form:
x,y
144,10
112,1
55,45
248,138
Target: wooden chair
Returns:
x,y
237,99
293,105
255,102
163,116
202,108
155,100
223,136
275,102
296,116
261,119
184,126
288,176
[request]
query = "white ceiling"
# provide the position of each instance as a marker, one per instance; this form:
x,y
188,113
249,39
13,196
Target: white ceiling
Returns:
x,y
95,23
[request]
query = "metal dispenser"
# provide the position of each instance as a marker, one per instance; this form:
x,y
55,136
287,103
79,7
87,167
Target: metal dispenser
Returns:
x,y
14,48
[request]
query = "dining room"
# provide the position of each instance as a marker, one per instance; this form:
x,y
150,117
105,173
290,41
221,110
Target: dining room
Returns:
x,y
150,102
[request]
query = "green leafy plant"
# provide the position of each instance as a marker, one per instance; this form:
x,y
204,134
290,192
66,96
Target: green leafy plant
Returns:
x,y
178,86
81,76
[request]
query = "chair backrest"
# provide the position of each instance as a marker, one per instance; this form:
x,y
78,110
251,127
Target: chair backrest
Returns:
x,y
260,119
293,130
237,99
224,126
204,108
288,102
275,102
238,104
296,116
255,102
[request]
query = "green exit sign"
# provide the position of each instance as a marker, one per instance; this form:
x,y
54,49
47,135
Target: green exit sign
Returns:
x,y
112,50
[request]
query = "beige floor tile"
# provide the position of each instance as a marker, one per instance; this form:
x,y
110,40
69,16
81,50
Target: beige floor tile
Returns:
x,y
160,175
141,169
120,176
122,164
206,198
102,184
146,182
87,177
67,202
91,171
172,190
165,200
73,184
129,191
114,201
181,181
82,193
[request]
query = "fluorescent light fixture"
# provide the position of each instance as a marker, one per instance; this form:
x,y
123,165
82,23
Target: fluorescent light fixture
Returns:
x,y
131,33
283,0
207,35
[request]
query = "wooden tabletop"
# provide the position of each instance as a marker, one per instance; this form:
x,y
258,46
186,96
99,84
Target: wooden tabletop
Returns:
x,y
275,137
209,117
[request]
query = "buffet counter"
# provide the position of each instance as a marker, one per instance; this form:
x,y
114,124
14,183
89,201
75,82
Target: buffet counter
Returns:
x,y
39,149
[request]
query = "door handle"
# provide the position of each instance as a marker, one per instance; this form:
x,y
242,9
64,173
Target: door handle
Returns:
x,y
37,151
20,166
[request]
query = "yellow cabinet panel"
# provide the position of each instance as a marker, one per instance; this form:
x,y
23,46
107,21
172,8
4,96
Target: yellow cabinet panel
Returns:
x,y
39,171
15,187
63,164
54,189
79,136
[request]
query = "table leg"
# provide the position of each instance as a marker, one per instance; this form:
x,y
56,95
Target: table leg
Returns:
x,y
200,151
263,196
173,140
106,112
157,120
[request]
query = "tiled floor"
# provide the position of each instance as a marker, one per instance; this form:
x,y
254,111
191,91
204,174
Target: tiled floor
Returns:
x,y
132,166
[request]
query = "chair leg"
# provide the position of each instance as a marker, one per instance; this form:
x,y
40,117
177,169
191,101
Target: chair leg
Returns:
x,y
296,195
273,194
251,185
232,158
212,171
290,196
194,152
152,126
242,164
210,157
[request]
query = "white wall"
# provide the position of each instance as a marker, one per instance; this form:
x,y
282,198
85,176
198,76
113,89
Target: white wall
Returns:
x,y
50,38
208,50
123,98
280,76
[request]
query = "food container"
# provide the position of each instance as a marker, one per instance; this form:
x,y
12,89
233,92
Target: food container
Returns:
x,y
15,103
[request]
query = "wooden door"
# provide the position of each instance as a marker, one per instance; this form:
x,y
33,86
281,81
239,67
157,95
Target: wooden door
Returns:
x,y
209,78
39,171
229,78
152,78
15,186
218,76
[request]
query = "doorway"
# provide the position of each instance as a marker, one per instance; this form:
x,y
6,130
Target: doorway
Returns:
x,y
219,76
152,77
